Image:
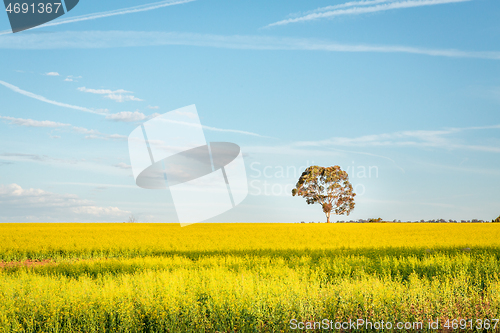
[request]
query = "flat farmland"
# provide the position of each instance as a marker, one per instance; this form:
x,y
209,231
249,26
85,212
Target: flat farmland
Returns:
x,y
244,277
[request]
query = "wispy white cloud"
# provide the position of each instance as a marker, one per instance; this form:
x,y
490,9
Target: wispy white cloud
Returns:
x,y
33,123
75,164
138,116
342,5
95,134
361,7
123,166
153,107
350,4
122,98
370,154
35,158
97,185
215,129
119,95
52,74
123,11
46,100
83,130
72,78
109,39
188,114
417,138
103,91
39,205
117,136
128,116
89,133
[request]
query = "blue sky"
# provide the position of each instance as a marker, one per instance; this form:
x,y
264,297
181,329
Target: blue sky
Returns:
x,y
405,95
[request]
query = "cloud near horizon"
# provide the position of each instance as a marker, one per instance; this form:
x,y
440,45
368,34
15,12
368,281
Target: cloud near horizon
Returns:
x,y
37,205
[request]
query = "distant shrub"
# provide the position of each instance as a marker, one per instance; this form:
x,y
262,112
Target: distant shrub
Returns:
x,y
377,220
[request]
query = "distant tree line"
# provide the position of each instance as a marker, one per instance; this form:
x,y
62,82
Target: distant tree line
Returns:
x,y
379,220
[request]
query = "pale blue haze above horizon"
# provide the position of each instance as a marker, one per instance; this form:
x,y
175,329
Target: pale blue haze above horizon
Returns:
x,y
404,95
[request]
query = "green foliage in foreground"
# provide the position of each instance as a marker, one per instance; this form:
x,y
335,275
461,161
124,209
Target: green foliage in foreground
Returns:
x,y
249,292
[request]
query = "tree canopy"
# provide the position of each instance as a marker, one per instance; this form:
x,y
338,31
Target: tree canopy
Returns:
x,y
328,186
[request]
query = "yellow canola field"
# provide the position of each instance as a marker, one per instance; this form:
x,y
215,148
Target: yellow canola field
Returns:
x,y
39,241
246,277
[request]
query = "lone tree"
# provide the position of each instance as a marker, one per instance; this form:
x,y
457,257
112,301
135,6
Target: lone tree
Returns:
x,y
132,219
329,187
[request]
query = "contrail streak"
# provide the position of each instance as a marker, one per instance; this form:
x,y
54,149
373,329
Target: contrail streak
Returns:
x,y
94,16
43,99
363,10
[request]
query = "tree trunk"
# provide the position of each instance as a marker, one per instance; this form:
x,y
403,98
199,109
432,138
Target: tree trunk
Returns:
x,y
328,218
